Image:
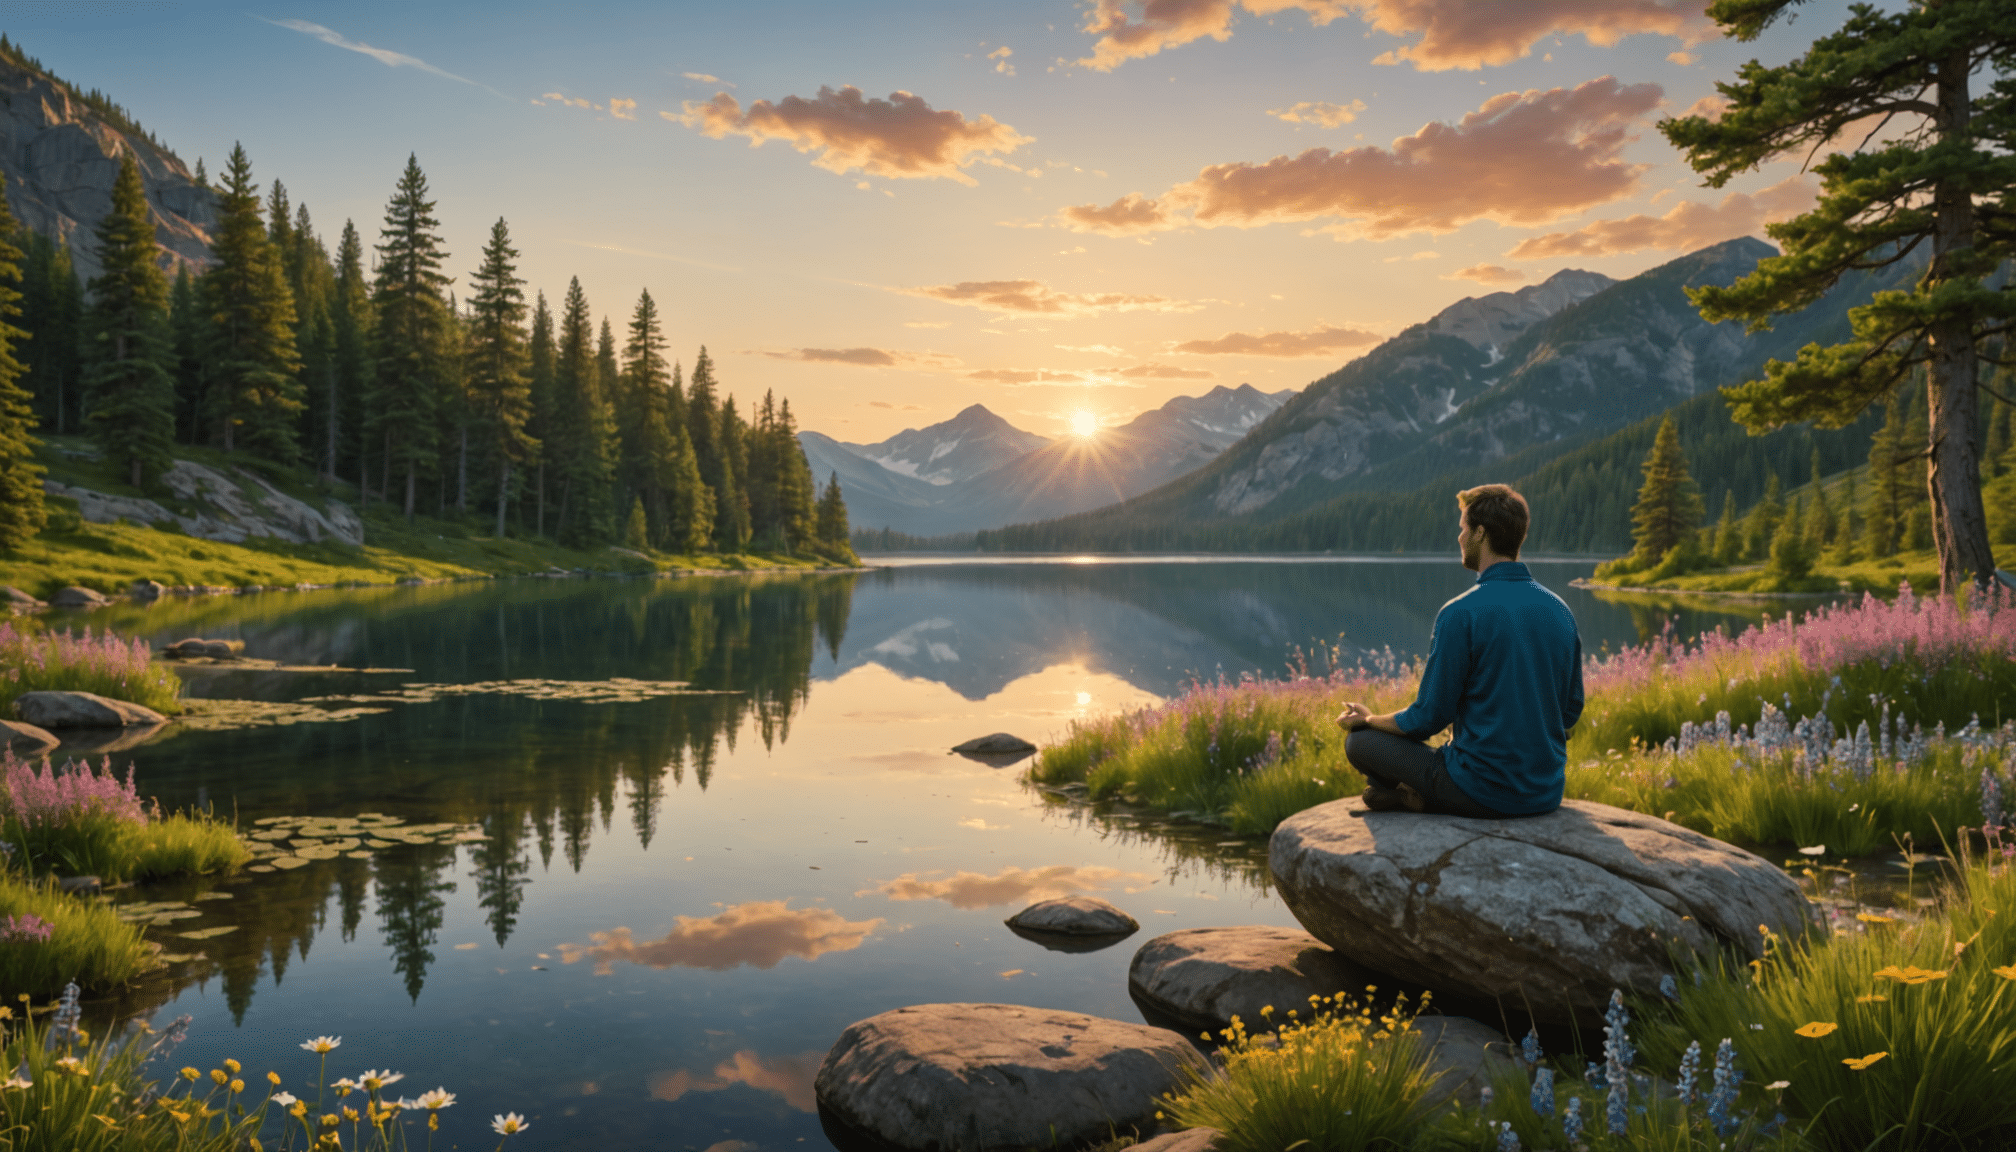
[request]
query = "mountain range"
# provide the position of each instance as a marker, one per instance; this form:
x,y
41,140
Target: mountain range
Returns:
x,y
978,471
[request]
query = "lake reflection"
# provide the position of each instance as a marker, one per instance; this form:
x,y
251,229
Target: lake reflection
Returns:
x,y
680,901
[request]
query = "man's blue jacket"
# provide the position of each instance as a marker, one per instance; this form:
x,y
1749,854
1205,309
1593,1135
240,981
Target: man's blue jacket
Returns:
x,y
1505,669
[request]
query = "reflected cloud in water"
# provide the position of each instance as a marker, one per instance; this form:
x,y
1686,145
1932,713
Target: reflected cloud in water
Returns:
x,y
787,1076
760,933
967,890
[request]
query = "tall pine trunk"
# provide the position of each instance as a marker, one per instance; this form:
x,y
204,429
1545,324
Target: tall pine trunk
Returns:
x,y
462,473
1953,474
503,495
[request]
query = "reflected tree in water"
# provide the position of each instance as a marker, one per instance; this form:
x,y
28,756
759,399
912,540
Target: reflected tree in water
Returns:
x,y
411,910
502,868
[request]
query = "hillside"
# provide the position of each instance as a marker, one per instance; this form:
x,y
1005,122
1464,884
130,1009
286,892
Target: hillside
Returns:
x,y
60,150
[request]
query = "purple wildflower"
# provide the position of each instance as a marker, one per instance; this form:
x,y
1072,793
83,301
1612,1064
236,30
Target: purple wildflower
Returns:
x,y
26,928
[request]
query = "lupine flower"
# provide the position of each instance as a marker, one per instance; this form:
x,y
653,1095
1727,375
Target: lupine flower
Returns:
x,y
1690,1069
1529,1048
1615,1108
1571,1121
63,1027
1484,1099
1543,1092
1991,799
1508,1141
1727,1080
1668,987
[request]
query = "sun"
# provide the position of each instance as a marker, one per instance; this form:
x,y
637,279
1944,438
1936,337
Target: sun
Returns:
x,y
1084,424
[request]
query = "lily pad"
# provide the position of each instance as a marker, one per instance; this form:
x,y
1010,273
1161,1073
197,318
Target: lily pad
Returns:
x,y
358,855
216,896
208,933
347,844
263,867
319,852
180,957
288,862
273,834
381,843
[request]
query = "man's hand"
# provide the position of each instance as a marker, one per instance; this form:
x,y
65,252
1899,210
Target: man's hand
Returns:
x,y
1356,717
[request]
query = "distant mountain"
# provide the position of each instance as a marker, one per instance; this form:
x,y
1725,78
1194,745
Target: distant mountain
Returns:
x,y
961,448
1054,478
1369,454
1490,323
60,150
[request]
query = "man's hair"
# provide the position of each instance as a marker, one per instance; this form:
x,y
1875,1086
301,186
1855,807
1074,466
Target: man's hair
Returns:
x,y
1501,512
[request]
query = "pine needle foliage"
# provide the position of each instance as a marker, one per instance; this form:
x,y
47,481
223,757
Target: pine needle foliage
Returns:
x,y
411,328
254,389
131,394
22,514
1669,506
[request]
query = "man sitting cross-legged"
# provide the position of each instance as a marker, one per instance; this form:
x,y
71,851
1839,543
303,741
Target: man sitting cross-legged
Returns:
x,y
1504,674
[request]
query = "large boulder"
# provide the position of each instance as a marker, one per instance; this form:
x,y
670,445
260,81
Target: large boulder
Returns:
x,y
76,597
1074,916
146,591
13,599
26,740
1202,977
1546,913
982,1077
81,710
1465,1057
997,744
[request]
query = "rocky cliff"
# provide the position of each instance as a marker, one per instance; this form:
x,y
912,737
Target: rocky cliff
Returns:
x,y
60,156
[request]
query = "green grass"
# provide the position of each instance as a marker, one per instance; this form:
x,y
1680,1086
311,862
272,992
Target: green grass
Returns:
x,y
36,660
90,944
95,843
1921,568
1949,1039
110,557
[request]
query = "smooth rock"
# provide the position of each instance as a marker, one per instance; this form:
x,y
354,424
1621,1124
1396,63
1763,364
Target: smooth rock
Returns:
x,y
1465,1056
1075,916
195,647
1188,1140
79,885
998,744
147,591
26,740
81,710
981,1077
15,600
1202,977
1549,913
75,597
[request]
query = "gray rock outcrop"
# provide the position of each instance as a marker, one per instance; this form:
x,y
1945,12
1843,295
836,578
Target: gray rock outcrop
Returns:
x,y
982,1077
26,740
230,510
1203,977
1548,912
1074,916
1464,1057
15,600
75,597
81,710
147,591
195,647
998,744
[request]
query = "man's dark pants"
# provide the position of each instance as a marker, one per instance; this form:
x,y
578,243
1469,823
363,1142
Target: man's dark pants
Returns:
x,y
1389,761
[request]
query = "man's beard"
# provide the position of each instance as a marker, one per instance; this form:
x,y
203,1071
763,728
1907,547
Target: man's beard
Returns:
x,y
1473,552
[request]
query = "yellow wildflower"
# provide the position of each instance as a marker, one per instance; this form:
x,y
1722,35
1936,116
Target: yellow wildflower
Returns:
x,y
2006,972
219,1077
1815,1030
1909,974
233,1067
237,1086
190,1074
1875,918
273,1078
1872,998
1858,1063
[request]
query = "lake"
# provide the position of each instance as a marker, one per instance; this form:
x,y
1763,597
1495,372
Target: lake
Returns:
x,y
681,900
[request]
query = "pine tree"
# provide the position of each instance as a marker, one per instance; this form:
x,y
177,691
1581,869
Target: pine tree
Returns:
x,y
22,513
580,441
731,503
1728,533
797,491
252,361
52,313
691,524
312,279
1669,505
1762,523
1940,185
412,320
353,371
1791,554
646,419
189,330
703,418
130,392
1848,534
498,361
1887,484
542,381
1820,523
832,514
637,529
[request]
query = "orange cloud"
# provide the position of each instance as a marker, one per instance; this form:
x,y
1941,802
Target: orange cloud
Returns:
x,y
760,933
1025,376
1487,274
1319,112
1035,298
975,890
1521,158
788,1076
1154,371
865,357
622,109
1463,34
1322,340
900,138
1689,225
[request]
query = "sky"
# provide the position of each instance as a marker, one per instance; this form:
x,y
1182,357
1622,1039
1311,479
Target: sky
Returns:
x,y
886,211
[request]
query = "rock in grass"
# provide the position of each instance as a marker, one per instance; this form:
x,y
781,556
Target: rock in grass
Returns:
x,y
146,591
79,885
81,710
75,597
1464,1057
998,744
194,647
1074,916
1202,977
983,1077
14,599
26,739
1545,913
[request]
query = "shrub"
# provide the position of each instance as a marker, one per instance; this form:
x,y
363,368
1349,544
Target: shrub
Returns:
x,y
101,664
